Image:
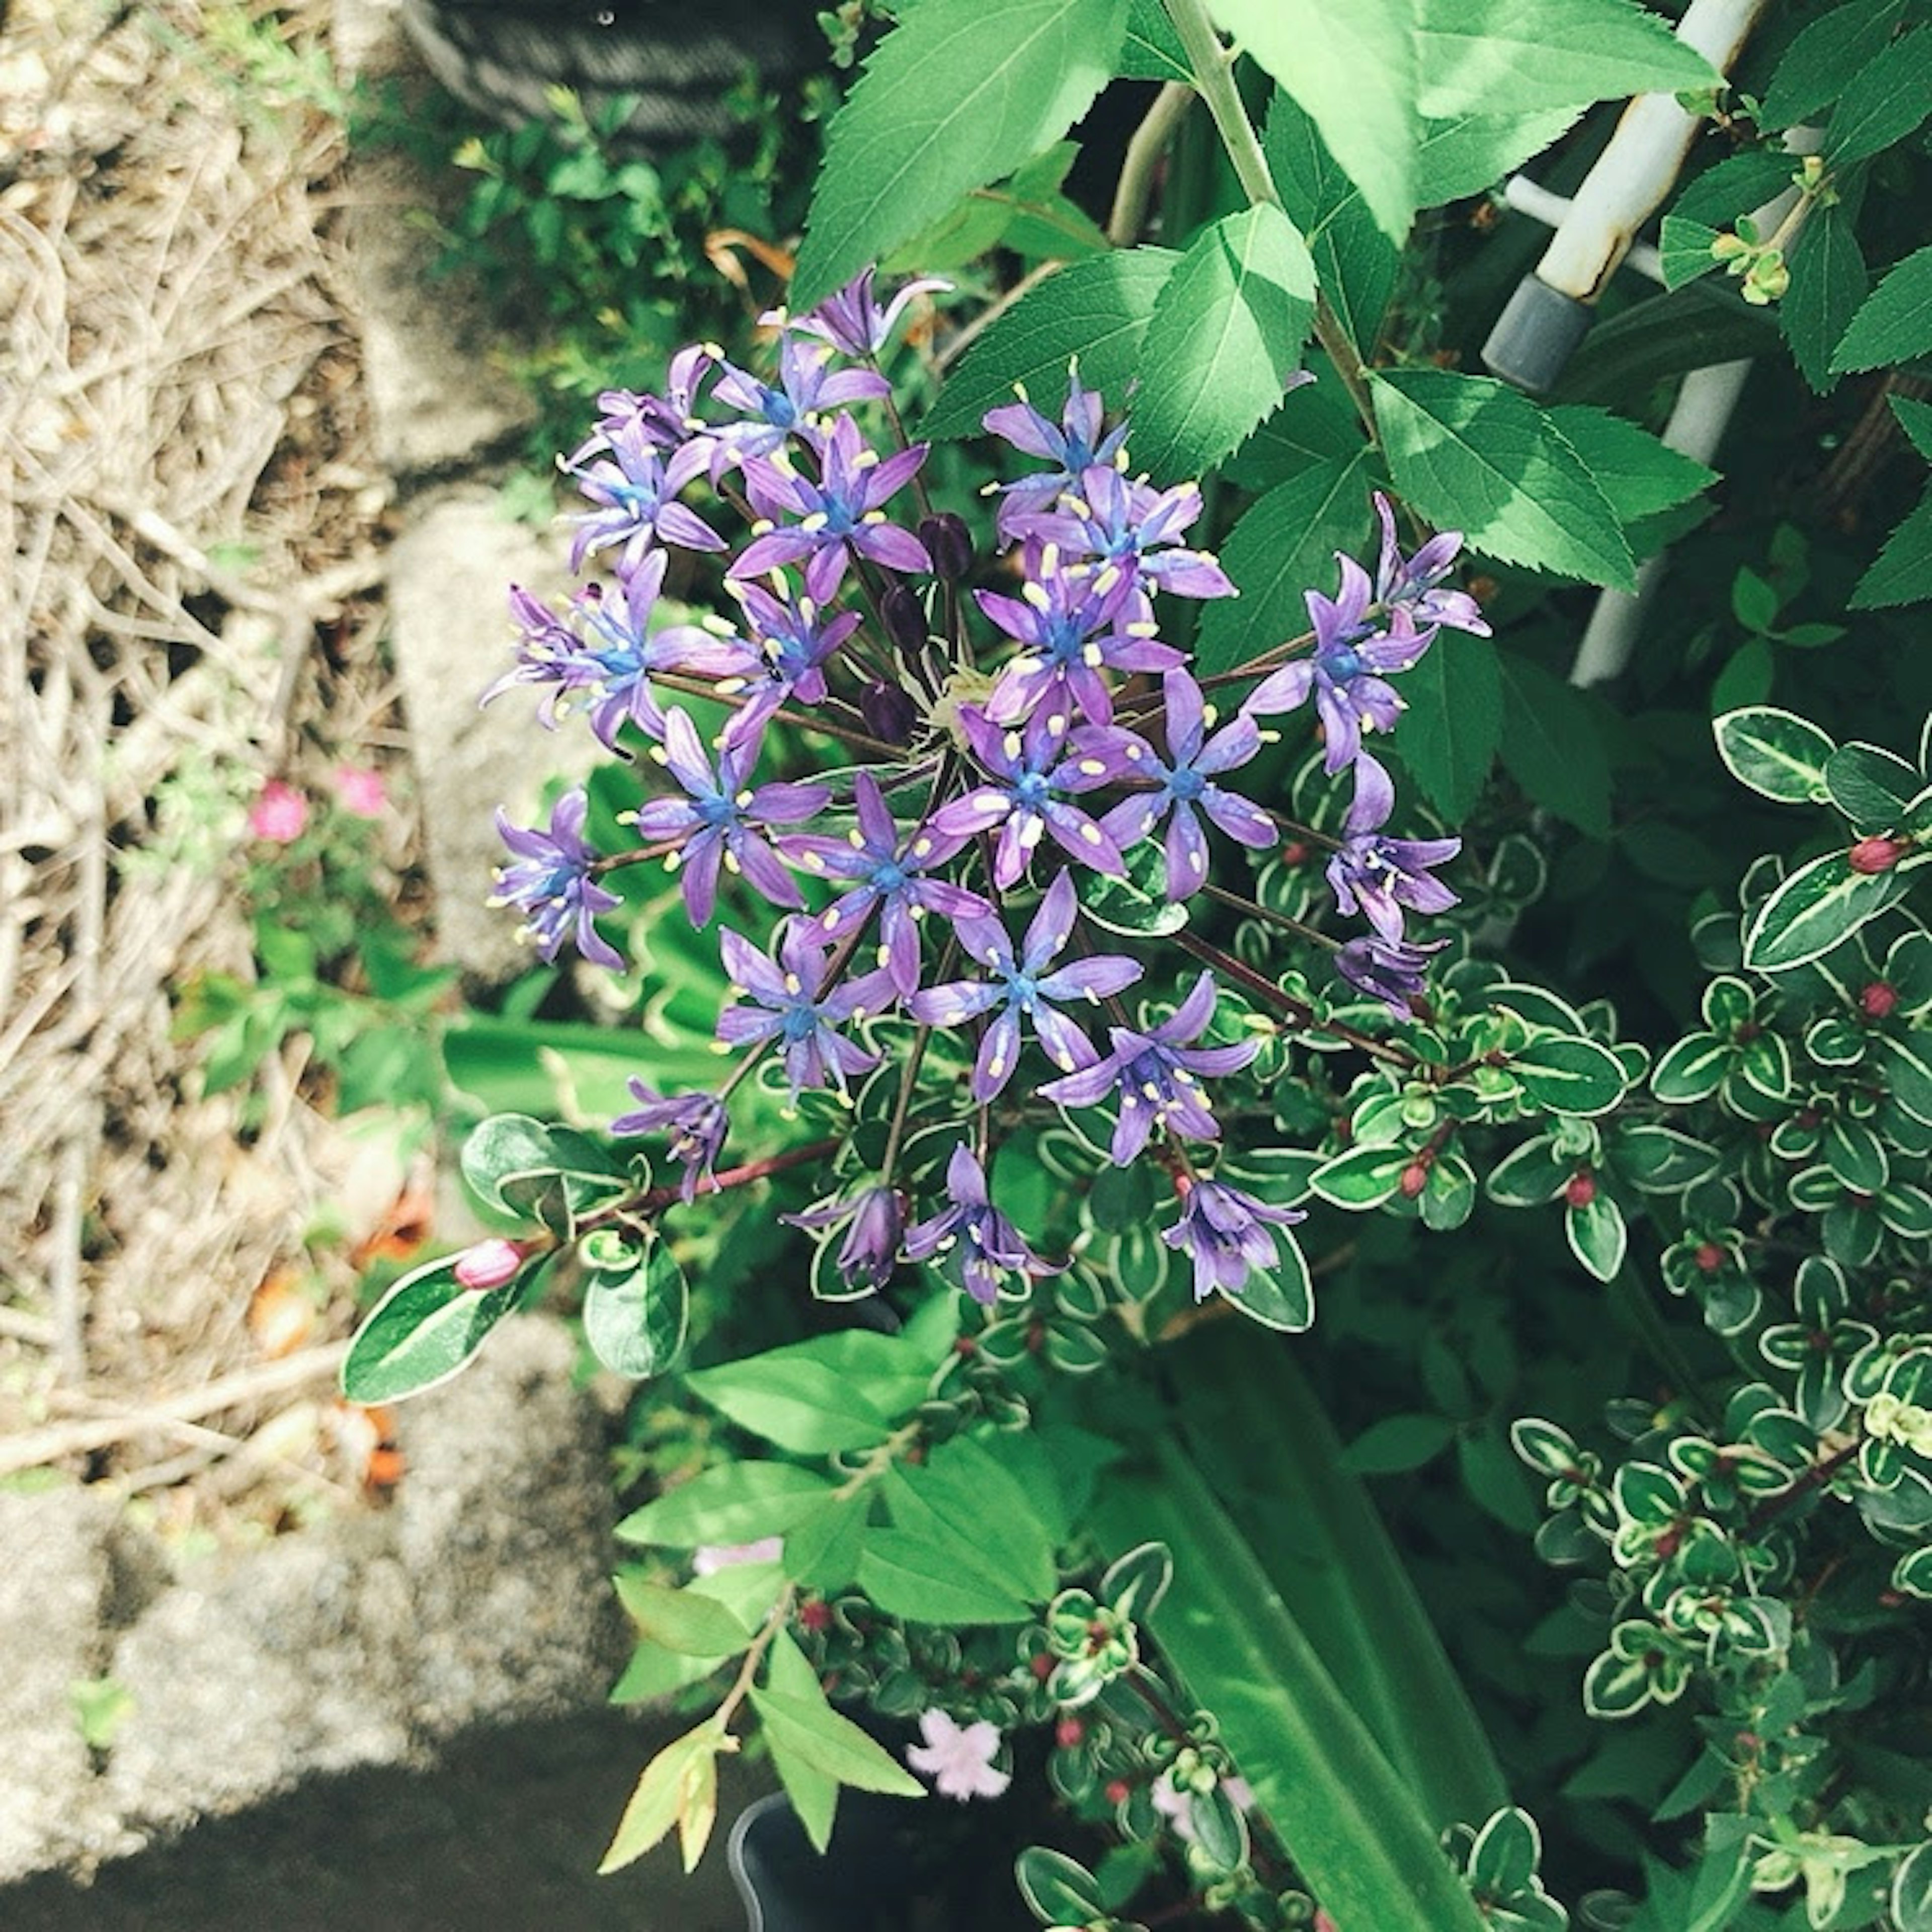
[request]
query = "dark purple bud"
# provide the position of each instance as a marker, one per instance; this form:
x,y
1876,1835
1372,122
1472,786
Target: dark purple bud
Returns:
x,y
888,711
949,543
904,618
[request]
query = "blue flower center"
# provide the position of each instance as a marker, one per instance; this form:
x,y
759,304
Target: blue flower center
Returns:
x,y
1030,791
716,810
891,877
800,1022
1343,662
1186,784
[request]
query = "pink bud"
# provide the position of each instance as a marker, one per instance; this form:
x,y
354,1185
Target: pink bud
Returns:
x,y
279,813
489,1264
361,791
1877,855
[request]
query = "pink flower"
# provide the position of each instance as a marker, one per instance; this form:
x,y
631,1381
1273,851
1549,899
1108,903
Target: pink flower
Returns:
x,y
722,1555
278,813
489,1264
958,1760
361,791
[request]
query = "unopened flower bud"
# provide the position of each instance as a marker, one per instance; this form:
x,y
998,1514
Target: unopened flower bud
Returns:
x,y
888,711
1878,1001
814,1614
903,617
1709,1258
1068,1732
1414,1179
949,543
1877,855
489,1264
1581,1189
1118,1791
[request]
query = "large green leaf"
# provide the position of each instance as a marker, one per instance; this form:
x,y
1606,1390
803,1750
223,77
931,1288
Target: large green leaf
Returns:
x,y
1283,547
1224,340
1552,745
1776,753
1639,474
1828,288
1514,56
1096,309
1355,1830
813,1793
424,1330
1883,102
1824,57
811,1730
1902,573
1465,153
817,1398
1474,454
910,1574
1449,732
736,1502
963,1492
1152,50
685,1621
1895,324
961,93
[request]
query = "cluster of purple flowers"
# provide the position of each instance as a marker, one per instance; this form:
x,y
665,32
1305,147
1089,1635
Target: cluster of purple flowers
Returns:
x,y
980,780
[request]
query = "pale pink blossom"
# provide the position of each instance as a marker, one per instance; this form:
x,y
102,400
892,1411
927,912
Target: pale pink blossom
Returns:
x,y
722,1555
958,1760
361,790
489,1264
279,813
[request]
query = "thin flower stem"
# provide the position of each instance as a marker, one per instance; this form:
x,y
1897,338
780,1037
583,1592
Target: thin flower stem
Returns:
x,y
905,442
655,1200
1148,144
1213,64
775,1620
696,687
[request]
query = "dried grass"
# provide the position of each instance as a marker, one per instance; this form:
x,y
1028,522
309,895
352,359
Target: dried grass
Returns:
x,y
182,500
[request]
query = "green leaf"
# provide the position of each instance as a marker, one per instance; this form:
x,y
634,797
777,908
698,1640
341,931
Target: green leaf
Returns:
x,y
681,1620
1354,71
1355,261
910,1575
1466,153
635,1320
1398,1443
963,1492
1360,1842
1503,1860
1135,1581
961,93
1453,720
1515,56
1820,903
816,1398
1660,1160
1915,417
736,1502
811,1730
1872,787
1596,1235
1776,753
1912,1883
1057,1891
670,1783
1883,102
1152,50
1638,472
1895,323
1536,1171
1470,453
822,1552
1224,340
1824,57
1363,1178
1096,310
1903,572
1827,286
1552,745
505,1148
1569,1075
426,1329
813,1792
1285,543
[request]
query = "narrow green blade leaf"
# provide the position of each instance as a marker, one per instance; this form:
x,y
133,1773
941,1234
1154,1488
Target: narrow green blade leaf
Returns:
x,y
1895,324
1224,341
960,94
1474,454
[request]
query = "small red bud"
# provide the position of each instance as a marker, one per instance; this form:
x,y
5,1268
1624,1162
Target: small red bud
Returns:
x,y
1036,1338
1294,853
1068,1732
1118,1790
814,1614
1709,1257
1877,855
1749,1741
1041,1666
1878,1001
1891,1599
1414,1179
1581,1189
965,1344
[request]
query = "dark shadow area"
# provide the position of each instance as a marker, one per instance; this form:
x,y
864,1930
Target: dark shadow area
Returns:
x,y
503,1836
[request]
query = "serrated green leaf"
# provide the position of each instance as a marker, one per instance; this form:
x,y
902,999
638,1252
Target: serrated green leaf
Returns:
x,y
1224,341
1467,153
1096,310
1638,472
1895,323
634,1320
1551,745
1883,102
1824,56
1820,903
833,1745
1778,754
960,94
909,1574
1684,250
1284,546
426,1328
1915,417
1827,287
1354,71
1902,573
1470,454
1517,56
692,1624
1152,50
736,1502
1453,720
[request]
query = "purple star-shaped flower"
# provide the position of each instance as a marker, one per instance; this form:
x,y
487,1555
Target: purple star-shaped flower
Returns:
x,y
1394,970
1025,988
976,1245
852,320
874,1220
1186,788
1344,671
549,882
787,1002
1068,623
770,417
889,874
720,821
638,490
697,1123
669,420
840,515
1157,1075
1226,1234
1377,876
1074,445
1408,591
1118,520
1029,770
